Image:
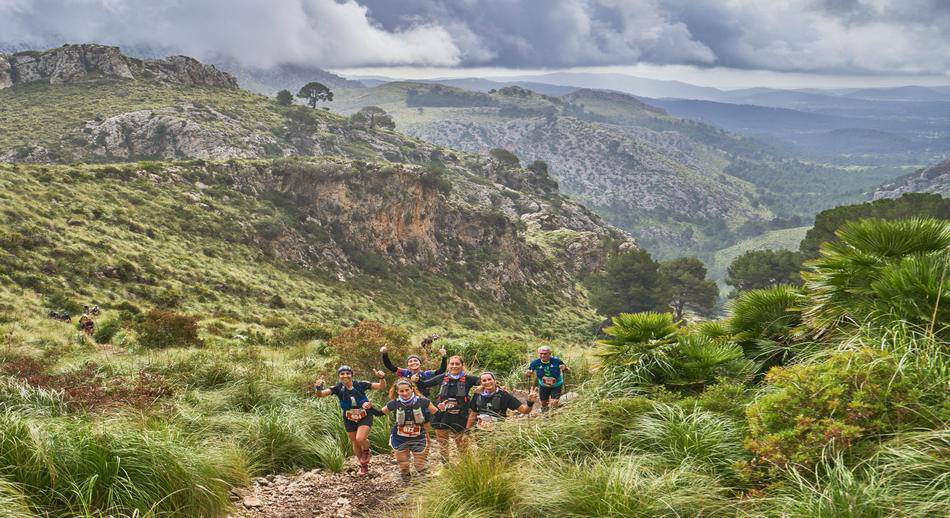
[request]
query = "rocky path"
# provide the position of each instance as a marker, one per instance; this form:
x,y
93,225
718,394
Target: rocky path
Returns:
x,y
320,493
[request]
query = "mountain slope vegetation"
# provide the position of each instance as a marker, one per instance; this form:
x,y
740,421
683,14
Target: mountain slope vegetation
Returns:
x,y
679,186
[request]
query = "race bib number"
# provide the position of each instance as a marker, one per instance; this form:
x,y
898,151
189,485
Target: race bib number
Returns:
x,y
356,414
409,430
485,421
548,381
451,406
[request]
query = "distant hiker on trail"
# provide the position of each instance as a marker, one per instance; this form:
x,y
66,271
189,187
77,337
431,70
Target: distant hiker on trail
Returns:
x,y
491,404
452,401
86,325
415,364
354,403
550,373
409,435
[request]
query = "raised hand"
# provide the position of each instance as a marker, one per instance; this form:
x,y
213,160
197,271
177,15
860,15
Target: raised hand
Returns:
x,y
380,374
414,378
383,349
442,351
319,383
533,394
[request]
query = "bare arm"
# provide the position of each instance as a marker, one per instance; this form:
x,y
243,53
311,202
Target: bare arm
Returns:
x,y
319,391
525,408
381,384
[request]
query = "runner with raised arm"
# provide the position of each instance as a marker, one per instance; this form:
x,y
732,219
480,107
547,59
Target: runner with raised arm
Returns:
x,y
354,403
414,364
549,371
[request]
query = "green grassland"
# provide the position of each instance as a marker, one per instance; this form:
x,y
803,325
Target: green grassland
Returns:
x,y
783,239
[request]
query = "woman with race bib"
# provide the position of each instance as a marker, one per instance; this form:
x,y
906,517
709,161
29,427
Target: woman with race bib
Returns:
x,y
409,437
491,404
452,402
354,403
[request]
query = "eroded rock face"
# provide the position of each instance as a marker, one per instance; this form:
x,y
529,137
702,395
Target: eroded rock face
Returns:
x,y
374,215
73,63
157,134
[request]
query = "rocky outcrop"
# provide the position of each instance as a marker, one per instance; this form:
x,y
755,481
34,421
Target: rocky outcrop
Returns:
x,y
74,63
159,134
934,179
376,216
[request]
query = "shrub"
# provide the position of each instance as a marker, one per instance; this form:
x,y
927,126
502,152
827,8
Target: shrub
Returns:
x,y
106,330
828,408
359,345
497,355
300,333
160,329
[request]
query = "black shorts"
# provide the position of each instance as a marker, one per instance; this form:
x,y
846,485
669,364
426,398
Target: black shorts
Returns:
x,y
447,421
547,393
352,426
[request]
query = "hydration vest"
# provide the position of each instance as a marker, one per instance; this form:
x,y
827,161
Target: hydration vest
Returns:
x,y
460,389
416,415
489,404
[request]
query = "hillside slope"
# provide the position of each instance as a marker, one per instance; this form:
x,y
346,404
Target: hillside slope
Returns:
x,y
374,223
680,186
934,179
331,238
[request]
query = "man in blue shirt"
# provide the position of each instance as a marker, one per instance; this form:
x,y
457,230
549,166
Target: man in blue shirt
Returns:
x,y
549,371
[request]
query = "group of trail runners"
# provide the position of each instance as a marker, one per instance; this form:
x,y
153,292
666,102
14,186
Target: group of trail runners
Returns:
x,y
452,412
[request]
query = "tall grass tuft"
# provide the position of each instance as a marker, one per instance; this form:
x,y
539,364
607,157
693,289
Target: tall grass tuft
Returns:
x,y
688,437
285,438
13,503
72,467
622,486
486,484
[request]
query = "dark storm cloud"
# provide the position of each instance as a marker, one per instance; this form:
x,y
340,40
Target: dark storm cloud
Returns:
x,y
843,36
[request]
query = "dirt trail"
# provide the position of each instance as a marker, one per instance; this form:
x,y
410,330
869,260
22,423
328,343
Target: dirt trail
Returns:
x,y
320,493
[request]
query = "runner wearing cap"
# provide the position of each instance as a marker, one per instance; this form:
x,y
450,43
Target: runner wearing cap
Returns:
x,y
354,403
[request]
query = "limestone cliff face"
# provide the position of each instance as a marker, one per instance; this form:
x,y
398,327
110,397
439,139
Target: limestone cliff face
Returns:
x,y
74,63
378,215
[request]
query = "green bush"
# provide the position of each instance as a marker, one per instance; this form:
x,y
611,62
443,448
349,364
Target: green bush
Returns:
x,y
812,411
160,329
105,331
489,353
478,485
359,345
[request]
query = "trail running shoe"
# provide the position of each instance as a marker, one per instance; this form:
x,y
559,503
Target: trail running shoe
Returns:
x,y
364,470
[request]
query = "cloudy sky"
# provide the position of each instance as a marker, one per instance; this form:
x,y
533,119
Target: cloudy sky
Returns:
x,y
726,43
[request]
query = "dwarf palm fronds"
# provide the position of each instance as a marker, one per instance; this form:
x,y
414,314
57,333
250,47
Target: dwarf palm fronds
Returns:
x,y
697,361
880,270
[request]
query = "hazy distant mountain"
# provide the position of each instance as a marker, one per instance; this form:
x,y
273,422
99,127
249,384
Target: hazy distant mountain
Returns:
x,y
475,84
638,86
752,119
268,81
